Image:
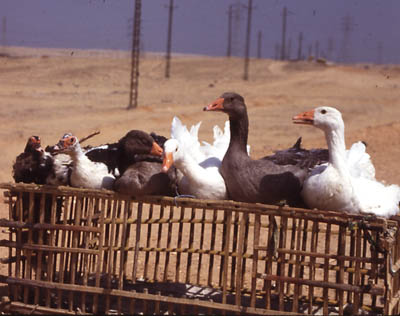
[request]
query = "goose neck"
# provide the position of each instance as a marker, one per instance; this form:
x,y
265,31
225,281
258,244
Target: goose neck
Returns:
x,y
337,148
239,128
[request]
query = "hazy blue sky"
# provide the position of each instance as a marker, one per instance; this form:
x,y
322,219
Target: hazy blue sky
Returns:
x,y
200,26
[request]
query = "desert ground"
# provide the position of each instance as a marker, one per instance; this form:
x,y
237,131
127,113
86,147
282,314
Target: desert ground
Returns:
x,y
49,92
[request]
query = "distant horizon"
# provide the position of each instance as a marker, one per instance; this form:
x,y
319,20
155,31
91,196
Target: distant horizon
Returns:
x,y
107,52
341,31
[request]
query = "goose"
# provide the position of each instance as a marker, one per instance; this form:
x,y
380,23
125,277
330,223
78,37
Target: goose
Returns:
x,y
347,182
85,173
136,145
248,180
199,165
296,155
140,165
35,165
32,165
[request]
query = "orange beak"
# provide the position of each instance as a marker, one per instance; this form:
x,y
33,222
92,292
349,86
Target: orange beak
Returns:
x,y
156,150
217,105
304,118
167,162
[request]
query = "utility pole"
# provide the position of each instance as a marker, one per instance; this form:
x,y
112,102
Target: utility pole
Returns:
x,y
283,43
300,46
236,27
316,49
259,42
135,55
229,48
248,33
330,48
289,49
169,38
347,27
310,51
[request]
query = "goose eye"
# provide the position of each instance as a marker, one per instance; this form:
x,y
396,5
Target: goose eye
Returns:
x,y
323,111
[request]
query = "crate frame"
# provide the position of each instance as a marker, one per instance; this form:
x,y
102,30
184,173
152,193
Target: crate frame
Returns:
x,y
116,253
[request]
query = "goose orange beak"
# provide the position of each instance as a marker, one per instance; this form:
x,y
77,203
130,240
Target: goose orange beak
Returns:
x,y
168,161
217,105
156,150
304,118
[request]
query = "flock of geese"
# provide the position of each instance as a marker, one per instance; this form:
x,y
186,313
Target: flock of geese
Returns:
x,y
149,164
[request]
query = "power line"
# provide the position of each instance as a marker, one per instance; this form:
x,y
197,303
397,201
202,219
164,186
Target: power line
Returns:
x,y
135,55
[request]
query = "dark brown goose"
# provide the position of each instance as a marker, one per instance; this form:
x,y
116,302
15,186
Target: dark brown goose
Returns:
x,y
33,165
249,180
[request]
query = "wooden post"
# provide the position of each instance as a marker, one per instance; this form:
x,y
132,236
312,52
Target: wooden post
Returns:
x,y
283,43
229,48
300,46
135,55
248,33
169,39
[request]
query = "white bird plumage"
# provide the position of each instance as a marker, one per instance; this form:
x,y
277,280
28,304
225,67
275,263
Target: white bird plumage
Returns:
x,y
85,173
199,164
347,182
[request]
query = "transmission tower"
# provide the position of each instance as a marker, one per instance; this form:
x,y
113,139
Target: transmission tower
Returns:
x,y
248,34
347,27
283,43
330,48
135,56
289,49
259,44
299,57
169,38
229,47
236,26
316,49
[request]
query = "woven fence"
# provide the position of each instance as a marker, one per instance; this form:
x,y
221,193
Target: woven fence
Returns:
x,y
93,251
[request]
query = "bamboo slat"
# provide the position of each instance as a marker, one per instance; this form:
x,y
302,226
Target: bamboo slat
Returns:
x,y
71,249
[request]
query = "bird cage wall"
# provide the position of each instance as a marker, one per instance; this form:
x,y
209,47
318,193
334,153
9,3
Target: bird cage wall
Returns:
x,y
94,251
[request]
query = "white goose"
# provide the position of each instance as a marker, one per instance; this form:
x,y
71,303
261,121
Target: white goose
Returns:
x,y
347,182
85,173
198,164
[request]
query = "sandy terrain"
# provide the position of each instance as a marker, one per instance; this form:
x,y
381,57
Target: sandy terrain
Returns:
x,y
48,93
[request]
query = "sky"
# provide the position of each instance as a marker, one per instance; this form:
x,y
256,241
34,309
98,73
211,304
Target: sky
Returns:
x,y
201,26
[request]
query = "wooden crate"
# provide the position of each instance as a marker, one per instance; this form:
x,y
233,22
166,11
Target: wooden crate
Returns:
x,y
90,251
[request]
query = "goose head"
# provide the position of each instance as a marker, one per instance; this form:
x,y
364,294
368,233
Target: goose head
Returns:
x,y
139,142
67,144
324,117
34,145
230,103
171,150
